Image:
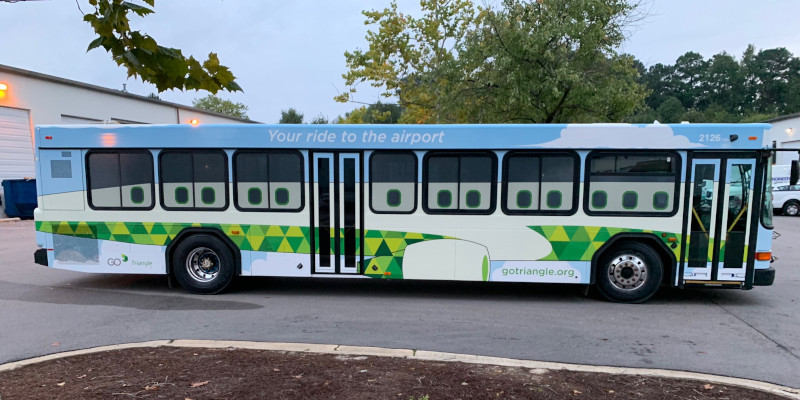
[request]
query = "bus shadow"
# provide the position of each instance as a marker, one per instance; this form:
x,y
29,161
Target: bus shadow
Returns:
x,y
130,291
371,288
151,292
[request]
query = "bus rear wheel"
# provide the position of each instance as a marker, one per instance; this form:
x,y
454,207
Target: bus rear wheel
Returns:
x,y
629,273
203,264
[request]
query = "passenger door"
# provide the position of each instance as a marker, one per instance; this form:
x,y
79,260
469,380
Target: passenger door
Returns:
x,y
720,210
336,218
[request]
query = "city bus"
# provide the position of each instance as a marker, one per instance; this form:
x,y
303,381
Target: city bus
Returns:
x,y
625,208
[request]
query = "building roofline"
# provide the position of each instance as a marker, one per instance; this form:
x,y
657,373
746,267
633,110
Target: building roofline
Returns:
x,y
783,118
82,85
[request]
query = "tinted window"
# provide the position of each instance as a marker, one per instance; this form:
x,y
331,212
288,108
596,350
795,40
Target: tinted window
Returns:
x,y
251,167
599,199
523,169
524,199
460,182
137,195
194,179
632,164
136,168
393,167
476,169
554,199
393,182
103,170
443,169
630,200
529,177
268,180
209,167
625,178
558,169
176,167
285,167
660,200
444,198
120,179
393,198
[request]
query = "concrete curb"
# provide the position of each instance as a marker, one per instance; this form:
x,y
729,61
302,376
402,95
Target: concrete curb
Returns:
x,y
422,355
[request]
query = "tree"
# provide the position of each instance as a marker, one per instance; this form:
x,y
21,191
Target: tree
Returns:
x,y
690,76
165,67
320,120
291,116
411,57
524,61
378,113
222,106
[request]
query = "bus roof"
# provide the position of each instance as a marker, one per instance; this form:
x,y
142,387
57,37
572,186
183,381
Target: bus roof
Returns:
x,y
421,137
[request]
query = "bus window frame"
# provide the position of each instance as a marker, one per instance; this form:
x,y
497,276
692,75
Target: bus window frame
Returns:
x,y
460,153
576,178
117,152
234,180
416,180
587,180
190,151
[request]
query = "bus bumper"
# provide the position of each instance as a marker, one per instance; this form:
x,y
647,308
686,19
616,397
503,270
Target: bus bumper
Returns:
x,y
40,257
764,277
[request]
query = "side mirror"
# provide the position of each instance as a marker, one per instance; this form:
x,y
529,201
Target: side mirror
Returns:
x,y
794,174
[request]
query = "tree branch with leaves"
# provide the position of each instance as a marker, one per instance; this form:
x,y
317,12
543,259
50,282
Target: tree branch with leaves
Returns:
x,y
165,67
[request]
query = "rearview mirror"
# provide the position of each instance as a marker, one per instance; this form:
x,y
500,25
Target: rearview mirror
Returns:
x,y
794,174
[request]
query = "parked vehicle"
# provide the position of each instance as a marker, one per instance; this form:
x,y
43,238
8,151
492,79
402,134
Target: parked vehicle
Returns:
x,y
786,198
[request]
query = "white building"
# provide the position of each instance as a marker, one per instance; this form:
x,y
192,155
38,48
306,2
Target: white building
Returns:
x,y
785,134
29,98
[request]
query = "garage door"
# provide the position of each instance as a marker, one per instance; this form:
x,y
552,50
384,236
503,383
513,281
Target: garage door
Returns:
x,y
16,147
787,157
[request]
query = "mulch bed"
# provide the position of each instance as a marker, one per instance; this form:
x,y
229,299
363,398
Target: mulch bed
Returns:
x,y
186,373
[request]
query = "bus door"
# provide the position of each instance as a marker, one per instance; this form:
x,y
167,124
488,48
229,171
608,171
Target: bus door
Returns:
x,y
336,218
720,212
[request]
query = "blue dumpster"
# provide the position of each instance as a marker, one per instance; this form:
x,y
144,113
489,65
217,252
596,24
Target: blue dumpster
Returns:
x,y
20,197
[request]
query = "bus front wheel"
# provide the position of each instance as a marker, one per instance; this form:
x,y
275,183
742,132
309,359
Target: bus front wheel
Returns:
x,y
629,273
203,264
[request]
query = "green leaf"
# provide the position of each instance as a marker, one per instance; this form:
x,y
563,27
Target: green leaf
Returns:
x,y
139,10
96,43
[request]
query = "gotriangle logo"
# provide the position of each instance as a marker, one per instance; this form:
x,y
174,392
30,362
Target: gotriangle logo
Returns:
x,y
124,258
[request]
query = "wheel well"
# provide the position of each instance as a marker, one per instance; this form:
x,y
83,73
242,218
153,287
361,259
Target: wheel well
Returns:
x,y
667,257
188,232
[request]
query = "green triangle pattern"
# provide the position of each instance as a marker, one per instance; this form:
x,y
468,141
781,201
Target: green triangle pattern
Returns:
x,y
270,238
579,243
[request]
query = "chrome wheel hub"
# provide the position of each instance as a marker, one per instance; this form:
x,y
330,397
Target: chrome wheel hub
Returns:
x,y
627,272
203,264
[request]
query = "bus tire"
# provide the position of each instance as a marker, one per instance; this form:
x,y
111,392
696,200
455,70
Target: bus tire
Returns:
x,y
630,272
203,264
791,208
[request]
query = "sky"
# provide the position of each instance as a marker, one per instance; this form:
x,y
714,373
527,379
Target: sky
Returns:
x,y
291,53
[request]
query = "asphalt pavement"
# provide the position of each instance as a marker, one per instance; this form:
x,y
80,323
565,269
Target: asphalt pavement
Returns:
x,y
749,334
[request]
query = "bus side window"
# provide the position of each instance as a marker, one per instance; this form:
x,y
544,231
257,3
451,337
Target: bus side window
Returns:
x,y
120,179
268,180
539,183
636,182
459,183
393,182
194,179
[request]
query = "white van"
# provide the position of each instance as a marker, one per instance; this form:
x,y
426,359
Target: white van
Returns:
x,y
787,199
